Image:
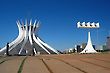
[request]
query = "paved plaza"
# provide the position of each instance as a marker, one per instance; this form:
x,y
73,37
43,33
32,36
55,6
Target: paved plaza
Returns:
x,y
65,63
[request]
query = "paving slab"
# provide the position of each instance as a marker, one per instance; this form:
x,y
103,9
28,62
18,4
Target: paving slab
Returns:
x,y
11,65
34,65
88,67
60,67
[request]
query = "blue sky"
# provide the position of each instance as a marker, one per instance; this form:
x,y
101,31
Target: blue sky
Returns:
x,y
58,20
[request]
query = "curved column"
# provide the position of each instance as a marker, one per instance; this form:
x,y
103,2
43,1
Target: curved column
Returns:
x,y
36,26
30,38
19,35
37,40
46,45
25,37
34,38
20,39
17,39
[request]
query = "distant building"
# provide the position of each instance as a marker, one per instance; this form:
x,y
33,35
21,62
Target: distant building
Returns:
x,y
83,45
94,46
108,43
101,48
69,50
104,47
78,48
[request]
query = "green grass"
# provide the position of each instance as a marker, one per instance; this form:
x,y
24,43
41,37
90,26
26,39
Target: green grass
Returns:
x,y
21,65
2,61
